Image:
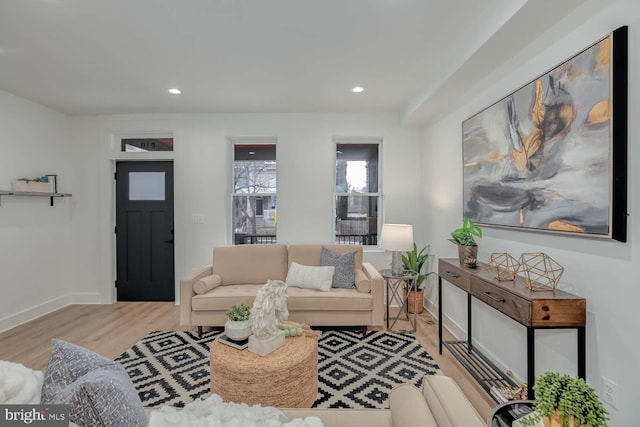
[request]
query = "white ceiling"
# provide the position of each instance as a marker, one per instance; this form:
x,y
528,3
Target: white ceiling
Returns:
x,y
227,56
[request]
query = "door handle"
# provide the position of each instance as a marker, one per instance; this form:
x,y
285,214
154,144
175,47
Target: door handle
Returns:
x,y
168,241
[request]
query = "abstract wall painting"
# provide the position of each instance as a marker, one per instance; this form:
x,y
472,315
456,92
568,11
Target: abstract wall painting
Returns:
x,y
552,155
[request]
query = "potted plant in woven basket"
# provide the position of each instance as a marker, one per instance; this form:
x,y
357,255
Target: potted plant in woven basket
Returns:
x,y
464,237
566,401
238,326
414,262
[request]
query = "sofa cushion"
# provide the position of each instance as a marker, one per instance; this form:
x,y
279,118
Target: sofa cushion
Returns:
x,y
408,407
344,275
204,285
223,297
250,263
312,254
298,299
310,276
97,390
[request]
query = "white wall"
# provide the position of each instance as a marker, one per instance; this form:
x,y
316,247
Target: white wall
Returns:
x,y
604,272
306,159
35,250
202,163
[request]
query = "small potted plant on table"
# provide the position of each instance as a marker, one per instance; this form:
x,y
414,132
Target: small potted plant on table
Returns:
x,y
467,245
238,326
566,401
414,261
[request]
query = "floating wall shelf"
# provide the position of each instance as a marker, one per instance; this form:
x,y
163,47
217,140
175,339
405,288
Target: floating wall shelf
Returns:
x,y
34,194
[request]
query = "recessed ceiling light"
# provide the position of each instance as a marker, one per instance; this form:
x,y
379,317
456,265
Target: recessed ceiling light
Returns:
x,y
357,89
252,152
175,91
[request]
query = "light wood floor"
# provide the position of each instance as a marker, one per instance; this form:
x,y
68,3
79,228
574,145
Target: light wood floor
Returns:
x,y
112,329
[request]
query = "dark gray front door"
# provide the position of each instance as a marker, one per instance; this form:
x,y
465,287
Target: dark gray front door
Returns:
x,y
144,231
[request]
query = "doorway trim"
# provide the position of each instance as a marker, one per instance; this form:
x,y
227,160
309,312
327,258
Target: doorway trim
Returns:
x,y
112,129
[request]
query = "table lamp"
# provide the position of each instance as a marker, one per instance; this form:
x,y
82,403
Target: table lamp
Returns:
x,y
396,238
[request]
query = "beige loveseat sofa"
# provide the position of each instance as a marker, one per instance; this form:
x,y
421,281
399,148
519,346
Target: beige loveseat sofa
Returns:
x,y
237,272
440,403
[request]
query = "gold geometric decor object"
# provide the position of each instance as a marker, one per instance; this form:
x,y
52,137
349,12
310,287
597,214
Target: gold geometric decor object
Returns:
x,y
541,272
503,266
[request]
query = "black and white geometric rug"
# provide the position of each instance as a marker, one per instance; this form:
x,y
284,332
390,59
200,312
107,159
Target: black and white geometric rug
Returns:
x,y
172,368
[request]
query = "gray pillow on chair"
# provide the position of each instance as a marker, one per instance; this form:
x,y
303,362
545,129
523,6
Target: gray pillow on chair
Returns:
x,y
98,391
345,264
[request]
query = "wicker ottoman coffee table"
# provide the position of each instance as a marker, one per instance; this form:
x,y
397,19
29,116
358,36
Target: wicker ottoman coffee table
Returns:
x,y
287,377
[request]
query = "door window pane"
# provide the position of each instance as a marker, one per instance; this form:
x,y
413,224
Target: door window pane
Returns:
x,y
146,186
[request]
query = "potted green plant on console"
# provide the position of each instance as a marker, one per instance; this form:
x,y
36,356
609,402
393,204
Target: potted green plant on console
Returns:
x,y
566,401
415,261
464,237
238,326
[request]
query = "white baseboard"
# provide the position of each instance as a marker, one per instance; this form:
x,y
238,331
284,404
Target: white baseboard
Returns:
x,y
86,298
47,307
34,312
461,334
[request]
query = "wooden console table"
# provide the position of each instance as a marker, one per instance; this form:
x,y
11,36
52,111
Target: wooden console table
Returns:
x,y
534,309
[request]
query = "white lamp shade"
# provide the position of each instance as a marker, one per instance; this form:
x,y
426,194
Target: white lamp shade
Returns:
x,y
396,237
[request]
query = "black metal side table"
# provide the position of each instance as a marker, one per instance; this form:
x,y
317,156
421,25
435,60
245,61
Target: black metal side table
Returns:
x,y
505,414
395,283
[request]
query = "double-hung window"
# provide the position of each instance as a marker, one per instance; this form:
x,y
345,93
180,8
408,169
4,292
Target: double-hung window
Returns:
x,y
254,193
357,193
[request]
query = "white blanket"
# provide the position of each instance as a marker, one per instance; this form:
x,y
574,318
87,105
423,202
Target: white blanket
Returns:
x,y
213,412
19,384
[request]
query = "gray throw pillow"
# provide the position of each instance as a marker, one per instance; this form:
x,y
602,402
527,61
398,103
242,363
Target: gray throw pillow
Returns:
x,y
98,390
344,275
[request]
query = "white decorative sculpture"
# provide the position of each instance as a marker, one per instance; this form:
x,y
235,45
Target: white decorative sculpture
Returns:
x,y
269,309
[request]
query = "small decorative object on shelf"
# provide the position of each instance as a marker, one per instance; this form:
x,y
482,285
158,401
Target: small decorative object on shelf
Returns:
x,y
33,185
541,272
504,394
503,266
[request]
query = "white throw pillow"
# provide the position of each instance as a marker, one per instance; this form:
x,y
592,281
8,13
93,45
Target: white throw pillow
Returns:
x,y
310,277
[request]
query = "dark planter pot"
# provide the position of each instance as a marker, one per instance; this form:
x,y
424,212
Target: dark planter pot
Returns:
x,y
468,255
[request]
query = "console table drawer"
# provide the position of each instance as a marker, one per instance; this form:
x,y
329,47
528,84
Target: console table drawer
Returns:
x,y
454,275
513,306
559,312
